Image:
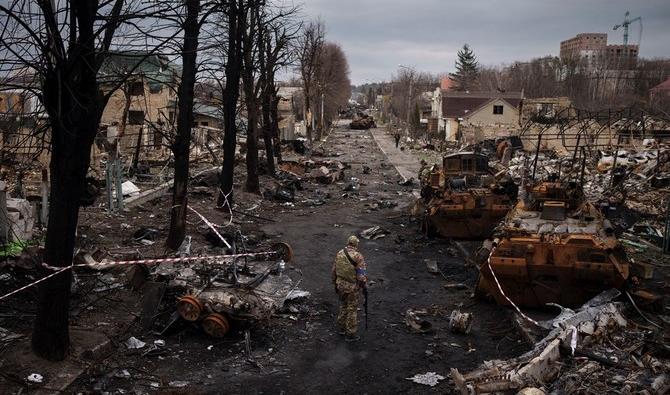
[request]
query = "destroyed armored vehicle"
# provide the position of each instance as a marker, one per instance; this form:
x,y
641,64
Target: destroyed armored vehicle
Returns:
x,y
553,247
464,199
243,288
362,123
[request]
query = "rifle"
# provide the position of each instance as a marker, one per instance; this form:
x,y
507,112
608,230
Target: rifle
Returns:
x,y
365,305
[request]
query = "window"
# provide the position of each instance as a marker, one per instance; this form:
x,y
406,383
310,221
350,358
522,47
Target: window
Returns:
x,y
498,110
136,88
135,117
467,164
204,123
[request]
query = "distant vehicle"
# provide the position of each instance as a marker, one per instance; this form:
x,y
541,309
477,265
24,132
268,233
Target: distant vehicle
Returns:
x,y
463,199
362,122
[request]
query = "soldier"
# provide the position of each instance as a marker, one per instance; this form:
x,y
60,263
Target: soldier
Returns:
x,y
396,136
424,180
349,277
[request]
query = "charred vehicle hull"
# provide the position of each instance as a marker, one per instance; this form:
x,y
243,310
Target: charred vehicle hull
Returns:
x,y
466,215
463,199
555,249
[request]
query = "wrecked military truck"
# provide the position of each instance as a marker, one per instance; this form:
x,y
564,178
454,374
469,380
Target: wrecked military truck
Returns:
x,y
246,287
464,199
362,122
553,247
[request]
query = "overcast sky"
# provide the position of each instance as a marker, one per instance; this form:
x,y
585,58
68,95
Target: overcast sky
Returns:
x,y
377,35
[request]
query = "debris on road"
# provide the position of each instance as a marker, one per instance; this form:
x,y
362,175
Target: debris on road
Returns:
x,y
134,343
587,348
460,322
430,379
35,378
373,233
414,320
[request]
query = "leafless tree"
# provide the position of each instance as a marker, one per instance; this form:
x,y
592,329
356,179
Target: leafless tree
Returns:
x,y
310,44
333,87
196,14
63,45
235,23
276,38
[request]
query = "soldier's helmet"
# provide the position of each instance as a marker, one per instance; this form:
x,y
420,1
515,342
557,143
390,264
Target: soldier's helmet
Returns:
x,y
353,241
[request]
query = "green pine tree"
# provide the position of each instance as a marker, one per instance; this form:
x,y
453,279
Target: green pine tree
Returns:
x,y
467,69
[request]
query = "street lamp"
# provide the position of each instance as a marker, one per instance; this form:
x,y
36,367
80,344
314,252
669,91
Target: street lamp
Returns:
x,y
409,96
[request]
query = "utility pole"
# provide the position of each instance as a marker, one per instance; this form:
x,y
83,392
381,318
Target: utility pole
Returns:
x,y
409,95
323,99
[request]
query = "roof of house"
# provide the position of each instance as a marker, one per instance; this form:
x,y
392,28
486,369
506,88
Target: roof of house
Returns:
x,y
207,110
156,67
459,104
663,86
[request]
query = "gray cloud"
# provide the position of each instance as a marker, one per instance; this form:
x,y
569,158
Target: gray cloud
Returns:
x,y
377,35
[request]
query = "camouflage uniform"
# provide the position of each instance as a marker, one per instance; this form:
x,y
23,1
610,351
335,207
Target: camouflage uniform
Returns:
x,y
348,281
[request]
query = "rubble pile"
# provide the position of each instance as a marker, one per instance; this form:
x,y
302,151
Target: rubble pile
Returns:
x,y
594,349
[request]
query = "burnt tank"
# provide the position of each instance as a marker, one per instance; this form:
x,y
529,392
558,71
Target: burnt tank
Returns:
x,y
464,199
553,247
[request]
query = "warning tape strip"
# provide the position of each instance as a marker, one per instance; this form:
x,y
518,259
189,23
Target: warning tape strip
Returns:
x,y
211,226
518,310
62,269
154,261
57,270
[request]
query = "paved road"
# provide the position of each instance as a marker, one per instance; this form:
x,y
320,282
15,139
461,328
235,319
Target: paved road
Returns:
x,y
405,163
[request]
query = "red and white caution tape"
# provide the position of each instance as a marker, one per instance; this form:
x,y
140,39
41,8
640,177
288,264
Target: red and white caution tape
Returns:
x,y
211,226
155,261
57,270
61,270
518,310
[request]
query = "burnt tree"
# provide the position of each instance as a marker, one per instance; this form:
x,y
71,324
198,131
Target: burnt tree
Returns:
x,y
236,16
62,50
182,142
275,41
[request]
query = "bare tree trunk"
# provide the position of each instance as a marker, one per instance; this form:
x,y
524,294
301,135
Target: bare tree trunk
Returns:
x,y
275,126
75,117
249,45
308,122
182,142
231,93
267,131
252,184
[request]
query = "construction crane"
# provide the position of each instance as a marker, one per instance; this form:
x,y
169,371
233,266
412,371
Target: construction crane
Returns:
x,y
625,24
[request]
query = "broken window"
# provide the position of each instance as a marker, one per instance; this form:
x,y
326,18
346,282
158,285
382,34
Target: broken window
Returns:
x,y
158,138
498,110
136,88
204,123
135,117
468,165
452,164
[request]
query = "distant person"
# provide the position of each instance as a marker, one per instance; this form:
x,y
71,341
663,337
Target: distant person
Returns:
x,y
396,136
349,277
